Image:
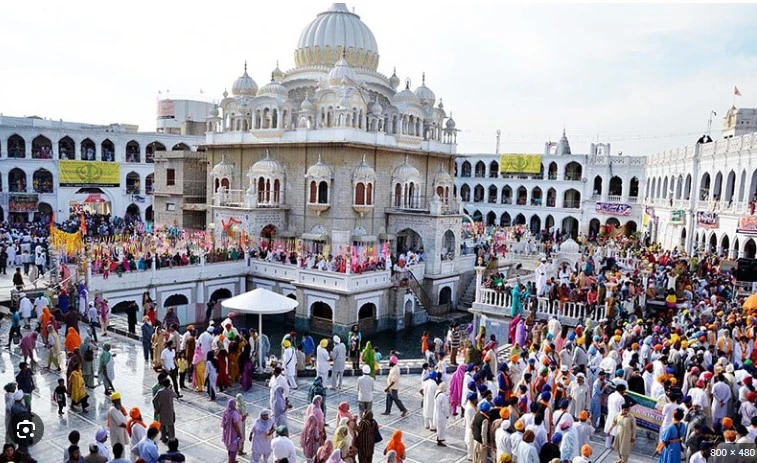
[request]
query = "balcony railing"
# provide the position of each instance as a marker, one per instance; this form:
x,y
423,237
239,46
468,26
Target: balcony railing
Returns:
x,y
614,198
633,199
419,204
573,312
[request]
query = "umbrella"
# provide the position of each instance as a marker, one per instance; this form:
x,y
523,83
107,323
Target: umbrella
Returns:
x,y
260,301
94,198
751,302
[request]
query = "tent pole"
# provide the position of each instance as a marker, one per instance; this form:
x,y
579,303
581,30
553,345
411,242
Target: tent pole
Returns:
x,y
260,342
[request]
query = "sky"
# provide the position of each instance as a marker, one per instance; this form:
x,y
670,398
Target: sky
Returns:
x,y
642,77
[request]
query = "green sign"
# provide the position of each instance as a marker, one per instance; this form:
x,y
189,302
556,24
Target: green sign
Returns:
x,y
676,216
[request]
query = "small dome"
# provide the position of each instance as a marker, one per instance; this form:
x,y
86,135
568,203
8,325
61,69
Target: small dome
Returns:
x,y
266,167
442,177
244,85
363,172
425,94
223,169
277,74
405,172
569,246
333,31
394,81
319,170
405,97
307,105
450,122
376,108
274,89
213,112
341,72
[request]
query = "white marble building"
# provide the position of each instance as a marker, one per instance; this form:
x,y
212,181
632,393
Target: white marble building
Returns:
x,y
564,195
698,195
31,149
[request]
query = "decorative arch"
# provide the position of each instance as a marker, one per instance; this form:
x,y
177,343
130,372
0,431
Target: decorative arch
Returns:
x,y
16,146
131,152
66,148
597,187
478,194
572,199
616,186
480,169
42,148
180,147
107,151
491,218
493,169
42,181
465,193
466,169
505,220
573,171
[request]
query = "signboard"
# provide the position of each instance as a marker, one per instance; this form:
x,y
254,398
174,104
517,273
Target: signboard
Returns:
x,y
676,216
23,202
166,109
647,411
520,163
614,208
89,173
708,219
747,225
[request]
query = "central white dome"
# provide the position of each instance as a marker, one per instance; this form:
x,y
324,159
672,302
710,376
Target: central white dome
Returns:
x,y
333,32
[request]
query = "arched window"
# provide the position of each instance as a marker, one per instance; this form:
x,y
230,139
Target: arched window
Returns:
x,y
552,172
573,171
551,197
313,193
17,181
225,183
107,151
180,147
448,251
597,189
132,151
572,199
277,191
491,218
87,150
323,192
42,181
522,195
717,191
466,169
616,186
480,169
505,220
730,188
492,194
148,184
151,149
704,187
465,193
665,188
132,183
66,148
493,169
16,147
507,195
536,199
478,194
42,148
360,194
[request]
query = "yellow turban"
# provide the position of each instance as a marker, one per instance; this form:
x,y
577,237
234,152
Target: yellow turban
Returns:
x,y
324,343
287,344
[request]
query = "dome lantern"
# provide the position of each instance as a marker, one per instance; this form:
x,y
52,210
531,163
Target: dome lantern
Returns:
x,y
244,85
424,94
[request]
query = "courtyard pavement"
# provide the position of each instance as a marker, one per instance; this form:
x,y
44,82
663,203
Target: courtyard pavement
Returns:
x,y
198,419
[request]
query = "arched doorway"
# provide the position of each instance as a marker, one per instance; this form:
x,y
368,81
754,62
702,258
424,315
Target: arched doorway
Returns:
x,y
594,225
16,147
66,148
132,151
321,317
448,249
175,300
713,245
17,181
750,249
466,169
520,219
616,186
268,233
132,184
107,151
409,240
180,147
151,149
220,294
631,227
724,245
573,171
535,224
366,317
42,148
505,220
148,184
491,218
179,303
133,211
597,190
149,215
445,296
44,214
570,226
87,150
613,221
477,216
549,223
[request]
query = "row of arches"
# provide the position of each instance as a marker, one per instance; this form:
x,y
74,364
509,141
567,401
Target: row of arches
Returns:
x,y
42,148
538,222
615,187
572,171
571,198
723,244
725,188
43,182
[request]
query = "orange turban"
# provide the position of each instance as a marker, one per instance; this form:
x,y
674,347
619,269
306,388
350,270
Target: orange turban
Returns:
x,y
519,426
514,358
504,413
586,450
583,415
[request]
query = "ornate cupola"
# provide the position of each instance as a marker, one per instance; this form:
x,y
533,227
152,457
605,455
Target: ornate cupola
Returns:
x,y
363,183
319,177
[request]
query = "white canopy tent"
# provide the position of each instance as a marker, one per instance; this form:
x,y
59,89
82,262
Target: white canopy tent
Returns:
x,y
260,301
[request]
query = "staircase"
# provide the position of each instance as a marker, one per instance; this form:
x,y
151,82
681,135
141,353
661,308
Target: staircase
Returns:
x,y
420,294
468,295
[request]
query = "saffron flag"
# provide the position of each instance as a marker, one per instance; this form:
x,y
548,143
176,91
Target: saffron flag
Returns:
x,y
736,91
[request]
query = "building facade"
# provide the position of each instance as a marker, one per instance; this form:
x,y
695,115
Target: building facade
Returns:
x,y
333,157
698,196
48,166
575,193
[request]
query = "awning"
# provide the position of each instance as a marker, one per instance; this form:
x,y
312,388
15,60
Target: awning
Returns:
x,y
364,238
315,236
286,234
387,237
94,198
260,301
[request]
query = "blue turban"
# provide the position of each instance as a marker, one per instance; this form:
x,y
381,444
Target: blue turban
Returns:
x,y
557,438
482,388
470,367
564,403
432,375
484,406
472,386
550,335
499,401
572,336
545,396
471,397
546,388
619,372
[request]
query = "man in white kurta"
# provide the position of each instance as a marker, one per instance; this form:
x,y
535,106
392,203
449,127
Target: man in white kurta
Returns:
x,y
540,277
117,421
429,391
441,413
721,399
580,396
289,360
322,360
614,404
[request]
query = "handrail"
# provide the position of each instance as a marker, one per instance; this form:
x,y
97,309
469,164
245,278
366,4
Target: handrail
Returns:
x,y
417,288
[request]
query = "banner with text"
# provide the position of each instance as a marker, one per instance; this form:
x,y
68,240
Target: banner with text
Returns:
x,y
520,163
647,411
747,225
613,208
676,216
89,173
23,202
708,219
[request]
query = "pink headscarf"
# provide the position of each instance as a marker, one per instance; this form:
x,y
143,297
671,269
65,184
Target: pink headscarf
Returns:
x,y
344,412
315,410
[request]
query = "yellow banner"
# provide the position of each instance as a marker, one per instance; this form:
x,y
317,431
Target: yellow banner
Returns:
x,y
89,173
70,243
520,163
